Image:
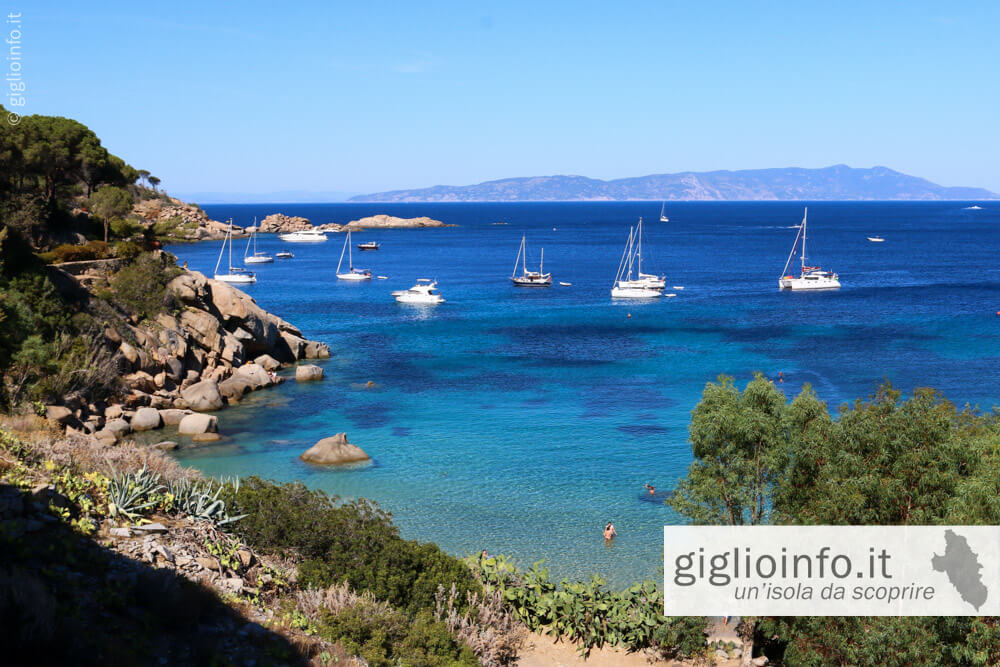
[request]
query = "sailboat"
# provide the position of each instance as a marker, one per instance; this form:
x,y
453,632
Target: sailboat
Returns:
x,y
625,287
810,277
663,213
256,257
352,273
529,278
234,274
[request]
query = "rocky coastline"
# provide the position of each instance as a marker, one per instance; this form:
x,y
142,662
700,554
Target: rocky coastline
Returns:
x,y
214,348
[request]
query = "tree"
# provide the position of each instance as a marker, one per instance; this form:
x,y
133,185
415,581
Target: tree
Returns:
x,y
144,176
110,202
154,181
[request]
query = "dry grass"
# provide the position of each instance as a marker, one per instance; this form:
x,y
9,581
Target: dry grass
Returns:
x,y
85,453
492,632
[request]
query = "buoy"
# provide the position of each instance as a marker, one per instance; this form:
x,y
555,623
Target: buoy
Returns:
x,y
630,315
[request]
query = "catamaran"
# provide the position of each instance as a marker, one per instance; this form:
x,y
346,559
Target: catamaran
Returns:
x,y
423,293
304,236
810,277
234,274
352,273
644,286
529,278
663,213
256,257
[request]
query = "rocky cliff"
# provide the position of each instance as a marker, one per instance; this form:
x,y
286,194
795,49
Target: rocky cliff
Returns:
x,y
173,220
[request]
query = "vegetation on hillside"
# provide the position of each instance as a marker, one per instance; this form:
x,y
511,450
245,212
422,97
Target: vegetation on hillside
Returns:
x,y
760,459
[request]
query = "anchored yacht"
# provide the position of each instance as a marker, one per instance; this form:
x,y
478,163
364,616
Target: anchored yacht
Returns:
x,y
810,277
424,292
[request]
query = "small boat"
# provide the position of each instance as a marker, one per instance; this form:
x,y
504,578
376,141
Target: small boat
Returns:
x,y
424,292
370,245
529,278
663,213
304,236
352,273
565,284
876,239
234,274
644,285
678,287
284,254
383,277
810,277
499,223
669,296
256,257
973,208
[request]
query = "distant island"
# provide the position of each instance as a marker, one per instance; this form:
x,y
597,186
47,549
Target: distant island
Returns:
x,y
836,183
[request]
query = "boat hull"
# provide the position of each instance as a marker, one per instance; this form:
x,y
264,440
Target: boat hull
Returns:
x,y
293,237
235,278
258,260
804,284
635,293
356,277
419,299
532,282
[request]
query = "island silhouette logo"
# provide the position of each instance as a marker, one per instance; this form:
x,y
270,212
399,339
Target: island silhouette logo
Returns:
x,y
963,568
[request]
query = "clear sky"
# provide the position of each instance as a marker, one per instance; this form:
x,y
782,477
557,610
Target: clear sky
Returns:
x,y
367,96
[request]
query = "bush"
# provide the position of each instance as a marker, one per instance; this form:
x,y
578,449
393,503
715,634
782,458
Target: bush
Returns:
x,y
70,252
125,228
353,542
141,287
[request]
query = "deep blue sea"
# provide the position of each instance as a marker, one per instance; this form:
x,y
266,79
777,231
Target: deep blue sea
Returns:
x,y
521,420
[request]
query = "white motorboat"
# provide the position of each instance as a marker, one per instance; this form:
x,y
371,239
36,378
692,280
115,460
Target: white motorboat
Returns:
x,y
644,285
304,236
256,257
352,273
973,208
876,239
663,213
233,274
810,277
678,287
424,292
529,278
565,284
370,245
284,254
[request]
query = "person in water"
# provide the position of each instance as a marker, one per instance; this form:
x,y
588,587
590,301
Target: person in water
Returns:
x,y
609,532
650,488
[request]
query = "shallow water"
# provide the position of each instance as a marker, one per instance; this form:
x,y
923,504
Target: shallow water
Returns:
x,y
521,420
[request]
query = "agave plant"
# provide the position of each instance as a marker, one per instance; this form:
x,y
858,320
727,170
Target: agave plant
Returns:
x,y
197,500
132,492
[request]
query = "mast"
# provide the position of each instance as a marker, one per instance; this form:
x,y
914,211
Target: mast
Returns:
x,y
541,263
255,236
350,250
346,241
221,250
517,261
791,255
638,252
625,253
804,216
229,236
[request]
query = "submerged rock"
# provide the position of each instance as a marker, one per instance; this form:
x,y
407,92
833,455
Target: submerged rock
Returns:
x,y
196,423
334,450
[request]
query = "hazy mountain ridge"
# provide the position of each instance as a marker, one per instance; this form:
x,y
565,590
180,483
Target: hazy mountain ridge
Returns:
x,y
838,182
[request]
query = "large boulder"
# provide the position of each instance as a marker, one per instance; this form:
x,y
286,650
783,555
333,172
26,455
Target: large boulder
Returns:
x,y
316,350
307,373
267,362
203,396
146,419
255,374
333,451
195,423
233,388
173,416
119,427
59,414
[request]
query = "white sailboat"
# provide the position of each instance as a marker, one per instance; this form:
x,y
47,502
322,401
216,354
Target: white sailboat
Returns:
x,y
625,287
423,293
352,273
234,274
663,213
256,257
304,236
529,278
810,277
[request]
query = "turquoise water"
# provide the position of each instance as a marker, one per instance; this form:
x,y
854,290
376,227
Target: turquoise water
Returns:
x,y
520,421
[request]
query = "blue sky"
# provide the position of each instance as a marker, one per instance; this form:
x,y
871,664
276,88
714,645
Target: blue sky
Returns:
x,y
367,96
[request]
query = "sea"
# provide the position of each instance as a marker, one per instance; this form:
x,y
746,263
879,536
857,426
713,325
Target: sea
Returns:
x,y
521,420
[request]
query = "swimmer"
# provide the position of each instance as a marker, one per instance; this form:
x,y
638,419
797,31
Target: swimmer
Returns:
x,y
609,532
650,488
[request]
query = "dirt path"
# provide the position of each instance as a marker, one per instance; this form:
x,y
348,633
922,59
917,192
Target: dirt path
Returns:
x,y
542,651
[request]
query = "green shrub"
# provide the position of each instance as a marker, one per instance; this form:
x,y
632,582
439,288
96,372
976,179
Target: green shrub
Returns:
x,y
125,228
141,287
71,252
127,250
346,541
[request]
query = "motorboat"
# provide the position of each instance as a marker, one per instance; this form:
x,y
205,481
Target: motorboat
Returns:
x,y
284,254
810,277
876,239
424,293
256,257
233,274
370,245
352,272
529,278
304,236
